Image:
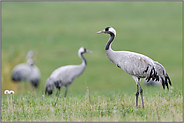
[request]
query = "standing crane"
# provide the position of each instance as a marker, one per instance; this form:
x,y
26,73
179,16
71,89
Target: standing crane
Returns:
x,y
135,64
65,75
27,71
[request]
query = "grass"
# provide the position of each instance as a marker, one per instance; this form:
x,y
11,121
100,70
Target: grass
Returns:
x,y
162,106
55,31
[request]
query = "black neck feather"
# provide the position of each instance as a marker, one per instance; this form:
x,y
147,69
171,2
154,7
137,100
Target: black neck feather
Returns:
x,y
110,41
83,59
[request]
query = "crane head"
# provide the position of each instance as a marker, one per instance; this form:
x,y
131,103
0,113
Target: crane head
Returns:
x,y
49,86
108,30
30,54
84,50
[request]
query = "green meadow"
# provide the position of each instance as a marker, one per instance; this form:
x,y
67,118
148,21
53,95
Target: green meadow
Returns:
x,y
55,31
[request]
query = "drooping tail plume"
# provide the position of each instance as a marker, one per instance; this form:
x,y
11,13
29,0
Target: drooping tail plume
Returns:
x,y
163,76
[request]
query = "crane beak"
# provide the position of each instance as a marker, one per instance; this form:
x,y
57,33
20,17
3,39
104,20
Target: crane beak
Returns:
x,y
103,31
88,51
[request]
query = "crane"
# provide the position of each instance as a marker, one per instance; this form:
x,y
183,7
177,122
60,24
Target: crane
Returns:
x,y
135,64
27,71
65,75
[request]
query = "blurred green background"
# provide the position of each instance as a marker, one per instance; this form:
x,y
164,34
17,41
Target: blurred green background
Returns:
x,y
55,31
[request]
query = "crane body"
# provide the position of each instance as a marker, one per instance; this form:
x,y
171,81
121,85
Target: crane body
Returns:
x,y
132,63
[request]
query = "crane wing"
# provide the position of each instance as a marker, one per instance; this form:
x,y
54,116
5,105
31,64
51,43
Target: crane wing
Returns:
x,y
67,73
135,64
21,72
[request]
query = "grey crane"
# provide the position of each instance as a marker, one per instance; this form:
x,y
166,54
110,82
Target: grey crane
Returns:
x,y
27,71
65,75
135,64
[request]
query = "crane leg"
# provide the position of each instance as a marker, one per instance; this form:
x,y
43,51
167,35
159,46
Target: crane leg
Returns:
x,y
34,90
141,95
66,90
137,94
57,97
137,80
58,92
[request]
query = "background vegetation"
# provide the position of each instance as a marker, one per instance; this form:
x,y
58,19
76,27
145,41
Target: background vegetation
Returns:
x,y
55,31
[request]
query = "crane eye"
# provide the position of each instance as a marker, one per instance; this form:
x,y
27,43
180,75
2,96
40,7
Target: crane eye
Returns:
x,y
107,29
84,49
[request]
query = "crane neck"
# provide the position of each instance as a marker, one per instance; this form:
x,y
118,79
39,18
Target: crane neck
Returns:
x,y
30,62
108,45
84,62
